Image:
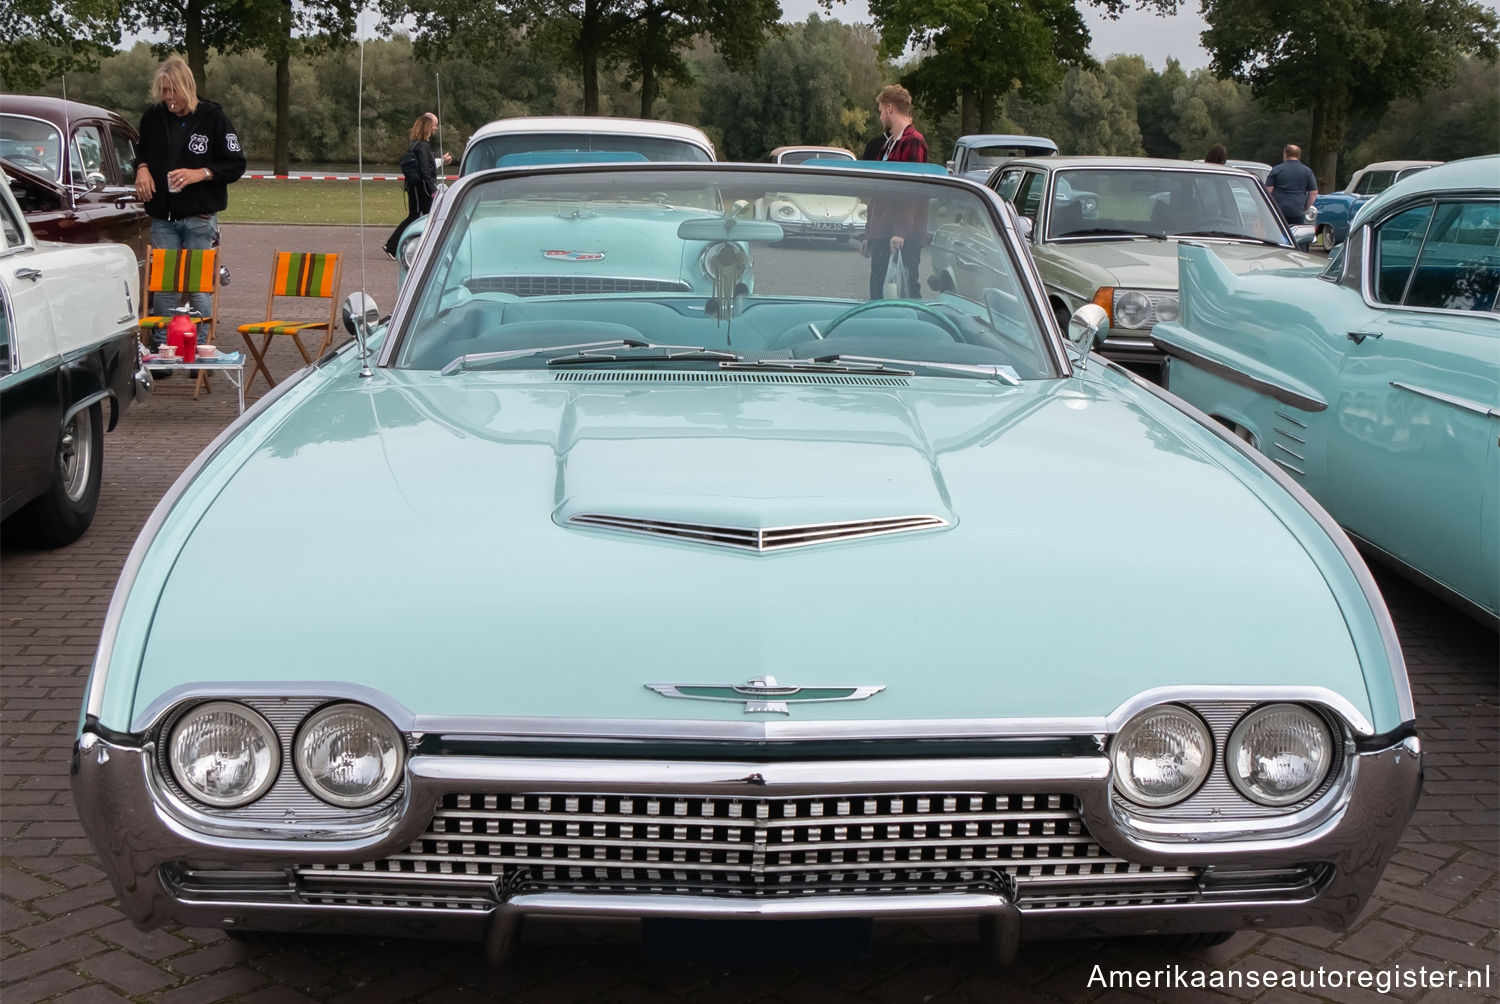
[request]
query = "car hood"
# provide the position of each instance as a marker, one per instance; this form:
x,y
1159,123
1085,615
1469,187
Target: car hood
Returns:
x,y
407,533
1152,264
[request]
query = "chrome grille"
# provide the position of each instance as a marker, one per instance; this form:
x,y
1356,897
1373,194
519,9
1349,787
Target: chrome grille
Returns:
x,y
477,845
759,539
571,285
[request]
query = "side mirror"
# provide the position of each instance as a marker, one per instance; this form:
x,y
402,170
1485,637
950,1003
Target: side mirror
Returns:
x,y
360,314
96,181
1087,327
948,165
1025,226
741,207
1303,235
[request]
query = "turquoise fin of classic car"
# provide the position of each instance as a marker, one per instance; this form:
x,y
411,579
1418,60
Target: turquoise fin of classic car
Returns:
x,y
1214,300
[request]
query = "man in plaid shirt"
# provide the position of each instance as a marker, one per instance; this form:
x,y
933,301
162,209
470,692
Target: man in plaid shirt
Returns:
x,y
896,226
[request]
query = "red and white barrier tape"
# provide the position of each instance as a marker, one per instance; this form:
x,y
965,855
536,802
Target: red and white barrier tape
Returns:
x,y
271,176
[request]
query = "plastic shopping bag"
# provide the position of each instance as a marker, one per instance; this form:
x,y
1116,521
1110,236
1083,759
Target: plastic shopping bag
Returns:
x,y
896,278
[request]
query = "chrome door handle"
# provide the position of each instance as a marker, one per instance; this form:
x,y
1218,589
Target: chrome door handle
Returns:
x,y
29,273
1358,337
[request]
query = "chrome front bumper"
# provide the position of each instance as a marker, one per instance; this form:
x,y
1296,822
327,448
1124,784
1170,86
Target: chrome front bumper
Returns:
x,y
165,867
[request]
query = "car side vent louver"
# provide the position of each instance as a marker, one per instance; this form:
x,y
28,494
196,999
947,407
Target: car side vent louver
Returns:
x,y
758,539
716,376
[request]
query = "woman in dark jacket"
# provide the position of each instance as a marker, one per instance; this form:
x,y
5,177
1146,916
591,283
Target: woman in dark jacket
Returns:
x,y
420,168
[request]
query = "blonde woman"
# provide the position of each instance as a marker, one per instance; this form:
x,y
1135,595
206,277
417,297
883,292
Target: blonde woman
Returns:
x,y
188,155
419,170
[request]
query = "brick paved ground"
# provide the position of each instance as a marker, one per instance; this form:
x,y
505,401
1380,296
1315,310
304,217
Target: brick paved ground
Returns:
x,y
62,939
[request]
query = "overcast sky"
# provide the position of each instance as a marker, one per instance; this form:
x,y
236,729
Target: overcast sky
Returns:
x,y
1150,35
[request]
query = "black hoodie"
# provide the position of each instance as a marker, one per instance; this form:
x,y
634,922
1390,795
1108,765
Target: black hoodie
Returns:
x,y
203,137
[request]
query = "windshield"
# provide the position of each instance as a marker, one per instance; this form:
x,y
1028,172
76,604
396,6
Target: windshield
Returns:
x,y
753,266
803,156
987,157
1161,203
31,145
490,152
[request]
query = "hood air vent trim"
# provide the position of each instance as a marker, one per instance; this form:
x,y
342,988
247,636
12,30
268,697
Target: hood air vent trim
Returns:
x,y
758,539
715,376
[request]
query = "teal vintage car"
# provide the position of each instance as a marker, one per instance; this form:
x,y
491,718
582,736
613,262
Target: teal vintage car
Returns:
x,y
1375,384
1104,230
755,605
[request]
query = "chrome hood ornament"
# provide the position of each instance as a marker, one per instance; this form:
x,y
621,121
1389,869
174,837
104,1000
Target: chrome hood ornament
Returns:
x,y
764,694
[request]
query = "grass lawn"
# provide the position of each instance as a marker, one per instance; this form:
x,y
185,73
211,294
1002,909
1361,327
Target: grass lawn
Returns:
x,y
275,201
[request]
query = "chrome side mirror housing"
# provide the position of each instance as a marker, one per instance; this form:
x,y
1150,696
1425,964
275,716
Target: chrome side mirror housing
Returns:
x,y
360,314
1303,234
1087,328
96,181
1025,227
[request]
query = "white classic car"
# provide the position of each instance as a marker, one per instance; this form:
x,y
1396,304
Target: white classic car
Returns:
x,y
64,357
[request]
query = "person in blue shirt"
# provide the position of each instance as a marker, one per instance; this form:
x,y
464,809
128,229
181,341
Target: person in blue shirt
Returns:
x,y
1292,185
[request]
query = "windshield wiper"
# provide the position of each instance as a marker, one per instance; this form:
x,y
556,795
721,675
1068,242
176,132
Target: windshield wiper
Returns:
x,y
474,359
986,371
1231,236
1106,232
659,353
823,364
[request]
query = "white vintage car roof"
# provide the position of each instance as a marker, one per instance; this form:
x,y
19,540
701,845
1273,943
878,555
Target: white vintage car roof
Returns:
x,y
594,124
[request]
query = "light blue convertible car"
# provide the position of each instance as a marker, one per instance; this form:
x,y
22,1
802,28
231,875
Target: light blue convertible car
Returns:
x,y
767,605
1376,385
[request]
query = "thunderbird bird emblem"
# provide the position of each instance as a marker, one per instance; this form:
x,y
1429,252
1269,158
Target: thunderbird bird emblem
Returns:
x,y
764,694
561,255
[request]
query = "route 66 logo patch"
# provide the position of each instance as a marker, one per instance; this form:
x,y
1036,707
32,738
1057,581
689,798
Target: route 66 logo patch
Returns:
x,y
198,143
232,141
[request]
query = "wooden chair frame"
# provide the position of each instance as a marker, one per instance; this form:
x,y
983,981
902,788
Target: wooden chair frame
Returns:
x,y
148,293
297,328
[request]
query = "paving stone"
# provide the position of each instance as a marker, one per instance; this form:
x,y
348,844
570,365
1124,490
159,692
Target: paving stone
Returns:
x,y
128,973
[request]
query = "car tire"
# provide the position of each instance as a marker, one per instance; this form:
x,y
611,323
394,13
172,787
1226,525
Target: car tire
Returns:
x,y
65,510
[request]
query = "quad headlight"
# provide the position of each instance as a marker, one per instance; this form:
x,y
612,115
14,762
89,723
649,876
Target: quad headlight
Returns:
x,y
1279,754
1162,755
408,249
1138,308
349,755
224,754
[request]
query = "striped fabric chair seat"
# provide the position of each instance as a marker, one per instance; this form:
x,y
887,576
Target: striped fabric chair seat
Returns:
x,y
304,275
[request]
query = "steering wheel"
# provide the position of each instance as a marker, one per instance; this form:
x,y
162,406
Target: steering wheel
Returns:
x,y
943,320
28,162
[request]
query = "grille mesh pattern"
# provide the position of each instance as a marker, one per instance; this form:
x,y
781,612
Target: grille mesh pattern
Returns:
x,y
748,847
570,285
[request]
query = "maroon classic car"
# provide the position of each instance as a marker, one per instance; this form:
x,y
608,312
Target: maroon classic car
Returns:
x,y
85,197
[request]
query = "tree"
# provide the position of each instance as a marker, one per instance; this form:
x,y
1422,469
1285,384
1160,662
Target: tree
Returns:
x,y
45,38
1344,57
1101,117
655,41
1153,107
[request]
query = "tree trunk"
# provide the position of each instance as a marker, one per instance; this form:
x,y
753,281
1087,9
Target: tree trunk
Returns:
x,y
192,39
588,46
968,113
648,86
986,111
1330,117
283,113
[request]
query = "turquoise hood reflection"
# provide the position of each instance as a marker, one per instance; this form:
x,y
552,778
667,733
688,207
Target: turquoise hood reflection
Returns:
x,y
430,532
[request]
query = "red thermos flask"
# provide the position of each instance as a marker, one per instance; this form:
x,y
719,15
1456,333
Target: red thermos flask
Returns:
x,y
182,335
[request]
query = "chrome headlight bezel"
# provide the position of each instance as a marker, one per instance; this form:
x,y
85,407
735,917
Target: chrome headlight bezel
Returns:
x,y
392,756
407,250
1235,751
268,759
1155,306
1123,744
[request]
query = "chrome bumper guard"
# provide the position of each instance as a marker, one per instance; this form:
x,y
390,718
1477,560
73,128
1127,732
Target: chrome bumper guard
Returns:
x,y
419,878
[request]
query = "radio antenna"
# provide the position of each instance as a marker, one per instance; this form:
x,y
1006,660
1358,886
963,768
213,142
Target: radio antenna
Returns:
x,y
359,144
439,75
66,166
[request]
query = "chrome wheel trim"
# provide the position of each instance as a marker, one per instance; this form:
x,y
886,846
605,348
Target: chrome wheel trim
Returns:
x,y
75,455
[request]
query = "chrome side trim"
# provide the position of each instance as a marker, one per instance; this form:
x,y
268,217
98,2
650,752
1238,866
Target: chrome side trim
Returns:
x,y
87,402
1295,470
1291,453
1378,608
94,703
758,539
769,730
1424,581
1296,439
1457,402
1225,372
1291,418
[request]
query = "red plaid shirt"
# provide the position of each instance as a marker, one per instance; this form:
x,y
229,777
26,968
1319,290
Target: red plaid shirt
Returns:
x,y
887,218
